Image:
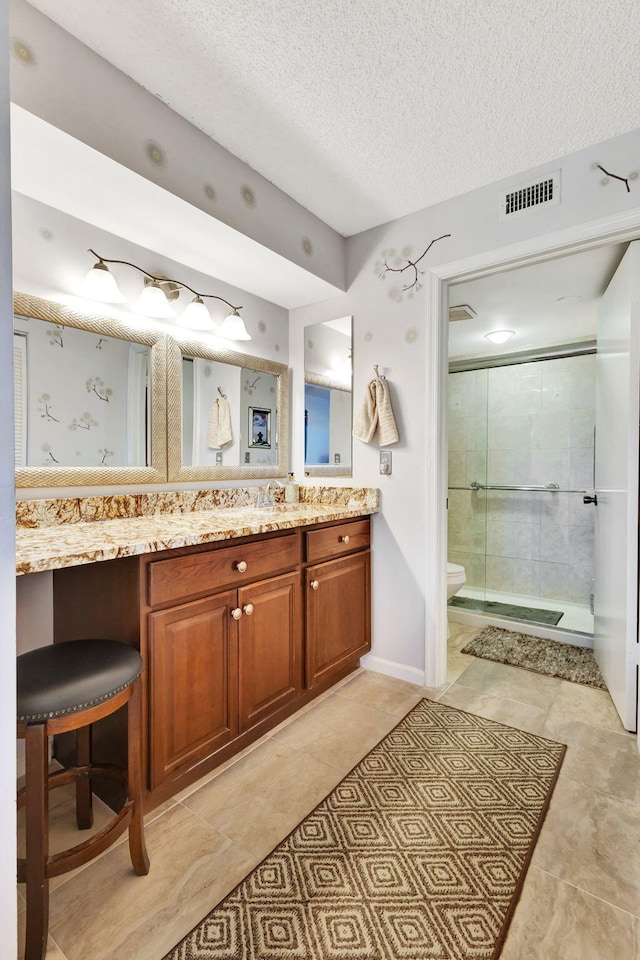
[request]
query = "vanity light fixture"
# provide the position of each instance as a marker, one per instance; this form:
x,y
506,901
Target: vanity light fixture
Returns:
x,y
499,336
196,316
100,284
153,302
233,327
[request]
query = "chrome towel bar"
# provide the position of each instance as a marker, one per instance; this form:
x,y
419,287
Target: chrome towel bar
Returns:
x,y
540,488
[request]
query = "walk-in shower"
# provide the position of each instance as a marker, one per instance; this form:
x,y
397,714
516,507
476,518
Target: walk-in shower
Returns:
x,y
521,460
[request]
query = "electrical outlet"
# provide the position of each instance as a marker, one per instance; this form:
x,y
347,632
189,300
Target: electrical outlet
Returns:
x,y
336,458
218,458
385,463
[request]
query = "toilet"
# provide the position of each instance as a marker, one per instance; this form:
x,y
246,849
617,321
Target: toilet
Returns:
x,y
456,578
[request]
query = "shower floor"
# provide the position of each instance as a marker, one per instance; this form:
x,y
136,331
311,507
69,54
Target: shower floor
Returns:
x,y
575,617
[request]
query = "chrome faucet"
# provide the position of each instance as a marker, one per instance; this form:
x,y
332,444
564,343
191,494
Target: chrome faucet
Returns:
x,y
265,496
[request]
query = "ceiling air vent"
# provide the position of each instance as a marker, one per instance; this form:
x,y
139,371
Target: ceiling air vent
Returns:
x,y
545,192
462,312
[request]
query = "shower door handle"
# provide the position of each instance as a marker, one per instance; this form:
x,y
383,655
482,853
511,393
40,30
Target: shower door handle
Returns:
x,y
593,499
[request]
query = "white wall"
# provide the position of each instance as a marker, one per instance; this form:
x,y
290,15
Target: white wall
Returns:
x,y
8,939
391,329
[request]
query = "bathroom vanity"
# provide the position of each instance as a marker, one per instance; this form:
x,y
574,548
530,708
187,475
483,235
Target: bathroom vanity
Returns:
x,y
249,616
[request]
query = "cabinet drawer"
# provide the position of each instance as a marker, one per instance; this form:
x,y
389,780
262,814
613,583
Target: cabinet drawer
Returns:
x,y
334,541
179,577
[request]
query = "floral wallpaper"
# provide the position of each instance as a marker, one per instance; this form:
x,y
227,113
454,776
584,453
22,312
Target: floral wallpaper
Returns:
x,y
85,397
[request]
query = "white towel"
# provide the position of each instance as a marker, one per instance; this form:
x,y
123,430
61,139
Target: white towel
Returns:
x,y
376,415
219,426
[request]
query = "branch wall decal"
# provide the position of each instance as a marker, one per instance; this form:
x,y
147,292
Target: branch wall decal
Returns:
x,y
385,268
615,176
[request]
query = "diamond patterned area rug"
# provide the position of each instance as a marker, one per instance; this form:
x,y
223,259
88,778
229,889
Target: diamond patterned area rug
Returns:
x,y
550,657
418,854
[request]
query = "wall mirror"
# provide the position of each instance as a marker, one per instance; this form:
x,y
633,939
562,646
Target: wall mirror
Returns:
x,y
90,398
328,398
227,414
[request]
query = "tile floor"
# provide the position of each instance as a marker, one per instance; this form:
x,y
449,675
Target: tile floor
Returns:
x,y
581,899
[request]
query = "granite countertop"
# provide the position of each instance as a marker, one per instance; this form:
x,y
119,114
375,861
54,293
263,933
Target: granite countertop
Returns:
x,y
63,544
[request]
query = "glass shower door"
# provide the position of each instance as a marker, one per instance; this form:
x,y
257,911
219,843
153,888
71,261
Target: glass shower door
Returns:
x,y
467,509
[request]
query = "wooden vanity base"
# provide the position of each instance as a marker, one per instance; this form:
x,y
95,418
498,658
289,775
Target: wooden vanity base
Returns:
x,y
236,636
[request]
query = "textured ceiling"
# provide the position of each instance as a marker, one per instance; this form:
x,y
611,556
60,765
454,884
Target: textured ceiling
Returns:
x,y
365,110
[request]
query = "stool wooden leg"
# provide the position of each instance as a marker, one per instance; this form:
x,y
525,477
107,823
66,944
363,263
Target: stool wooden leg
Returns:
x,y
84,805
37,841
137,847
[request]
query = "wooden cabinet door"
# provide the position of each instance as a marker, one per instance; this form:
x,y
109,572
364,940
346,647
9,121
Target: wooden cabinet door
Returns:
x,y
193,683
269,647
337,614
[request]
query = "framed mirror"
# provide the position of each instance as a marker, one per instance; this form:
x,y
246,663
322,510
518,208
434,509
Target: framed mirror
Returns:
x,y
328,408
228,414
90,398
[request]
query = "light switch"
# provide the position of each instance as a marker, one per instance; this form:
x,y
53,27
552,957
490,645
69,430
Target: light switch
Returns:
x,y
385,462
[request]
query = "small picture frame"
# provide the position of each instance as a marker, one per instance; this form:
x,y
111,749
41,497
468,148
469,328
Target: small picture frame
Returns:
x,y
259,427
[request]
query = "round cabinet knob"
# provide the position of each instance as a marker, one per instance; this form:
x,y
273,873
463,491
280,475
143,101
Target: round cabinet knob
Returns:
x,y
237,613
241,566
314,584
344,539
248,609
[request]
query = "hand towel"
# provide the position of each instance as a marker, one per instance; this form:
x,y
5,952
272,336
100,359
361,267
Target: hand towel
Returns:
x,y
219,426
376,415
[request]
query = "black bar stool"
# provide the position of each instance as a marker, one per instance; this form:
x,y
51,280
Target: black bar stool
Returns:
x,y
63,687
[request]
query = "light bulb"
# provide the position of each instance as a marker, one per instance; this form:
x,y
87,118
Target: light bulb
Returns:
x,y
196,316
152,302
100,284
233,328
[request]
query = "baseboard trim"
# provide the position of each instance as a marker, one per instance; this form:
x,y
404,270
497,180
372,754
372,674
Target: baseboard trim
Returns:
x,y
392,669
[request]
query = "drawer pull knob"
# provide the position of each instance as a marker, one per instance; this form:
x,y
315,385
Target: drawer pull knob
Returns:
x,y
241,566
248,609
344,539
237,613
314,584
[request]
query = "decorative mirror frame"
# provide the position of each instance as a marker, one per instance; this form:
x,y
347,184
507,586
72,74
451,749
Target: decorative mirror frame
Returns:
x,y
177,348
330,470
38,308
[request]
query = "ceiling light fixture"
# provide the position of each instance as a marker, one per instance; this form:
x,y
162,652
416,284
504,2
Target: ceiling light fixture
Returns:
x,y
499,336
100,284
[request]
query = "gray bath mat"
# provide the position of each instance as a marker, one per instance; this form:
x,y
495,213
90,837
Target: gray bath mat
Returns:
x,y
533,614
541,656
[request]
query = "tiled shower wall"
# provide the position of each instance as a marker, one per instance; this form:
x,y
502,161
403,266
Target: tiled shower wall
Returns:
x,y
524,424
